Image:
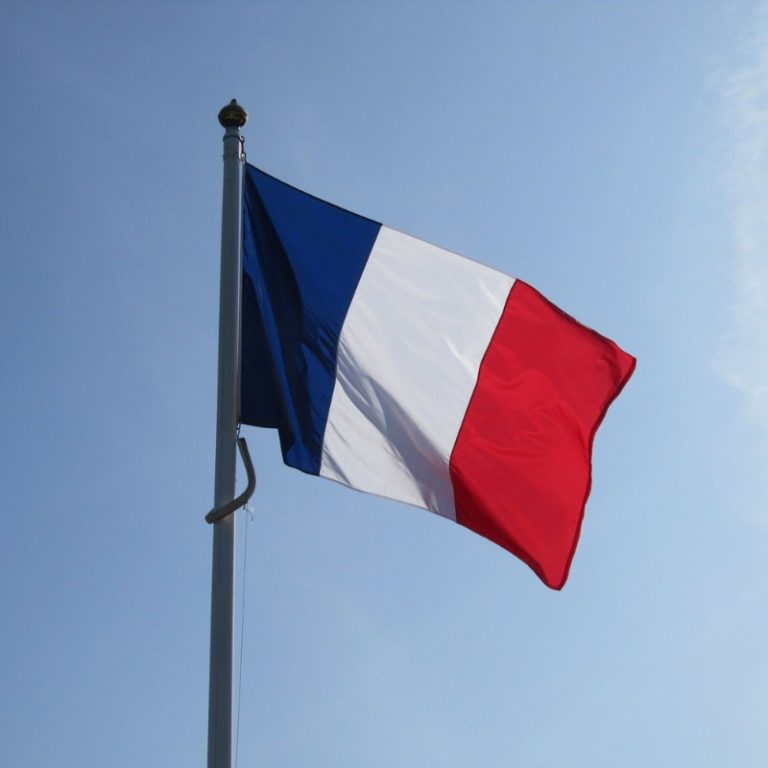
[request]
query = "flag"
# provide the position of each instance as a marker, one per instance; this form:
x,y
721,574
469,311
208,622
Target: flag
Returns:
x,y
404,370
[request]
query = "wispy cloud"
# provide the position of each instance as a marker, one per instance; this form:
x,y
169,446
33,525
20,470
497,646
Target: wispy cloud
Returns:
x,y
742,357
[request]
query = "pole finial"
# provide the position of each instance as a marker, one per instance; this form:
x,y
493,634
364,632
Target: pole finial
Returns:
x,y
233,115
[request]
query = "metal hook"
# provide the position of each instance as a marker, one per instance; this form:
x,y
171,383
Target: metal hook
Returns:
x,y
219,513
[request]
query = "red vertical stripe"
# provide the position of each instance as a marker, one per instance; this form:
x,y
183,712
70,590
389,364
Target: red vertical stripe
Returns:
x,y
521,465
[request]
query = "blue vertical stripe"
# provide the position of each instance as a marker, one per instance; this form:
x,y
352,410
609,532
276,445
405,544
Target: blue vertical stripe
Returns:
x,y
302,261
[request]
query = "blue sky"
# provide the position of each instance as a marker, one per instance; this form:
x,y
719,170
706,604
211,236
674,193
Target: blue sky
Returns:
x,y
612,154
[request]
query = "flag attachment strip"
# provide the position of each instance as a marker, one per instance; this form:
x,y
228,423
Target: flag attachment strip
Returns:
x,y
219,513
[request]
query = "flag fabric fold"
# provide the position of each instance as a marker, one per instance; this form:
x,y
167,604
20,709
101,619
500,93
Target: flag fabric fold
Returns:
x,y
404,370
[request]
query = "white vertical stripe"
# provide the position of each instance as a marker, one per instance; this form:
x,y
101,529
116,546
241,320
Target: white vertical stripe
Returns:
x,y
410,349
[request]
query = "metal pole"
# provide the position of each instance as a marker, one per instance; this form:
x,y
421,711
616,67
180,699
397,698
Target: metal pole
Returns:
x,y
232,118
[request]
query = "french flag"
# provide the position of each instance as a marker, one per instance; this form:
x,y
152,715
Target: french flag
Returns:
x,y
404,370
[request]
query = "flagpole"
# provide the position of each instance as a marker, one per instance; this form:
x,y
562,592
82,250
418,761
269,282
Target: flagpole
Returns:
x,y
232,118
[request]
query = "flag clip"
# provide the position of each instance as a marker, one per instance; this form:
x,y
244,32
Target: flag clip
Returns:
x,y
219,513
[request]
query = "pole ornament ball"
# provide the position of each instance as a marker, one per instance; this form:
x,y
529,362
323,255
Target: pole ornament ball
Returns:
x,y
233,115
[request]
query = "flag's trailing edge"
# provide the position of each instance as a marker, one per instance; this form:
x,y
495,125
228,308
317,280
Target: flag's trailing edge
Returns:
x,y
407,371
